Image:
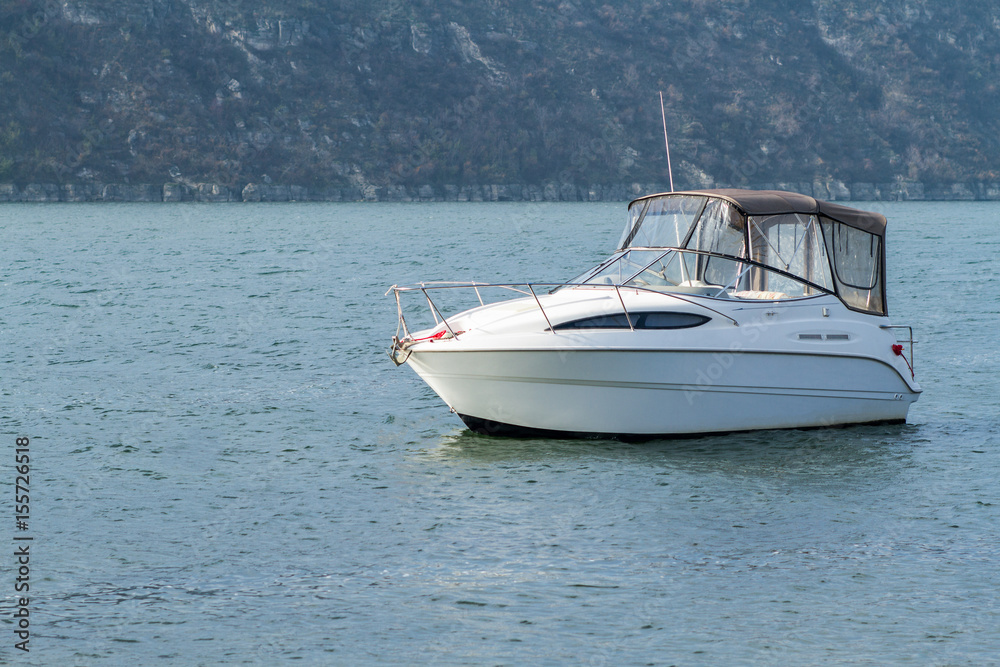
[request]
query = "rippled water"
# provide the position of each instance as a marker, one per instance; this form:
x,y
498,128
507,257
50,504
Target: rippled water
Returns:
x,y
227,469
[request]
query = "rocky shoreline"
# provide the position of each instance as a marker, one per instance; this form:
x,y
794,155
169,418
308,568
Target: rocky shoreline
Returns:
x,y
253,192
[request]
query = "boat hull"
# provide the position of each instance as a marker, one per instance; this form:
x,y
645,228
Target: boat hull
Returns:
x,y
487,427
648,393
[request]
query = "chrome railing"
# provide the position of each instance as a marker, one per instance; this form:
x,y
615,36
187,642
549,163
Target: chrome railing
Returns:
x,y
528,289
909,340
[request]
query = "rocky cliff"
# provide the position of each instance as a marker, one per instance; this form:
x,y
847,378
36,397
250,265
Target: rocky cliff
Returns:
x,y
304,99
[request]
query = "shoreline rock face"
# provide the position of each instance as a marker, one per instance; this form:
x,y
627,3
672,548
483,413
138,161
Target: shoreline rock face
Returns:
x,y
529,101
549,192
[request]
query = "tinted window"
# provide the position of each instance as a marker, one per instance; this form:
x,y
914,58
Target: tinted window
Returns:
x,y
653,320
670,320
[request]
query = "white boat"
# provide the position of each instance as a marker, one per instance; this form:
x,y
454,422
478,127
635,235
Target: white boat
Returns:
x,y
720,311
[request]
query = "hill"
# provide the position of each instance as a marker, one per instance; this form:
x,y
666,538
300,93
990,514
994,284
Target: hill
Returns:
x,y
386,99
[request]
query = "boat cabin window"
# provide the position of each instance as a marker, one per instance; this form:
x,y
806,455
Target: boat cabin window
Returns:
x,y
650,320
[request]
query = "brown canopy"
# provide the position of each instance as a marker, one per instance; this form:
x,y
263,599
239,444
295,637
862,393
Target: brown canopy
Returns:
x,y
774,202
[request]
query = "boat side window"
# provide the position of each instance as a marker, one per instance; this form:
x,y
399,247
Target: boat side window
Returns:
x,y
857,261
791,242
648,320
668,320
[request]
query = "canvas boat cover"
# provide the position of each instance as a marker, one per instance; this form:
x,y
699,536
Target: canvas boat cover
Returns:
x,y
775,202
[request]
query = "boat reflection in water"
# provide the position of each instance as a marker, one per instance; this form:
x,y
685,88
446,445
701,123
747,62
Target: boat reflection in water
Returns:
x,y
721,310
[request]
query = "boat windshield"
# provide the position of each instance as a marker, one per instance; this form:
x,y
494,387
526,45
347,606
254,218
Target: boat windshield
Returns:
x,y
696,272
618,268
807,250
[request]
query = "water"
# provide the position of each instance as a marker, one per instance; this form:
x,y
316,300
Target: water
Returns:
x,y
227,469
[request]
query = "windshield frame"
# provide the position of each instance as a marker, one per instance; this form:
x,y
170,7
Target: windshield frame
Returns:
x,y
748,263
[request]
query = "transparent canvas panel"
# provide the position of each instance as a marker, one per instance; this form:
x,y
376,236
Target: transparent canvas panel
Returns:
x,y
720,230
760,283
869,300
665,223
792,242
635,212
857,257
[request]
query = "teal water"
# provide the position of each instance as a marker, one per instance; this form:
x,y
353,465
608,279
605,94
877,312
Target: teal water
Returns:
x,y
227,469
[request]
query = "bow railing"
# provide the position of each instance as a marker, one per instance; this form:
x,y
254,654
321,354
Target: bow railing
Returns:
x,y
527,289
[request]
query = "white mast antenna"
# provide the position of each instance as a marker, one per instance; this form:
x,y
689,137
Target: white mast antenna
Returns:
x,y
666,141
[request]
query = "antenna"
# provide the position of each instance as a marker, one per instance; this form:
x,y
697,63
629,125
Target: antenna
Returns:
x,y
666,141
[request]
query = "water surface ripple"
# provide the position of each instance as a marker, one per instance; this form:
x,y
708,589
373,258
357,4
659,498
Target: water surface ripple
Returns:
x,y
227,469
